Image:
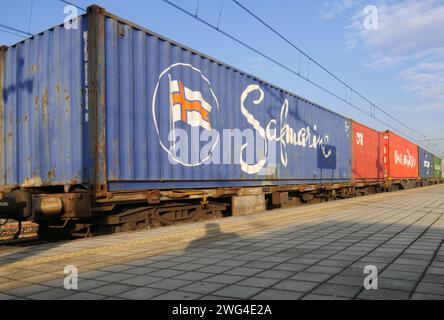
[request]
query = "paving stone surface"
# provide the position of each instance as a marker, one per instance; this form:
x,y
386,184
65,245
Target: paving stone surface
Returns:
x,y
319,252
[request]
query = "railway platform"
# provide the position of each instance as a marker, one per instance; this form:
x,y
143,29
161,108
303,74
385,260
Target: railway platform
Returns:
x,y
310,252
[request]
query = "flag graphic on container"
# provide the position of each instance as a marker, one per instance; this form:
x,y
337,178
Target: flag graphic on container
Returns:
x,y
188,106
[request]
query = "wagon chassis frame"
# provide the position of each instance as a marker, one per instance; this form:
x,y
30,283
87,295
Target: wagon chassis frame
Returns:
x,y
81,209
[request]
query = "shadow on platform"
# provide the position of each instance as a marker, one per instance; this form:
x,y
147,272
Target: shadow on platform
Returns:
x,y
213,236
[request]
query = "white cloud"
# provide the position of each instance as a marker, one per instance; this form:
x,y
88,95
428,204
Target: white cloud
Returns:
x,y
381,61
404,26
409,41
426,79
410,36
432,107
435,53
421,108
331,9
258,64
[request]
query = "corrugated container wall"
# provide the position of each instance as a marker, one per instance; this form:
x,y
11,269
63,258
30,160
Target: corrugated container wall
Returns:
x,y
438,165
43,110
442,167
368,153
426,164
400,157
173,116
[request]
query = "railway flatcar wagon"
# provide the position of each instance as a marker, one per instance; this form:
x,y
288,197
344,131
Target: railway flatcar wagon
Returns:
x,y
107,126
438,167
400,158
442,169
368,153
111,126
426,165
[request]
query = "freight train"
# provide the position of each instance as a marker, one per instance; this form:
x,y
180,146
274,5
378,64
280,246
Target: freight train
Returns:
x,y
110,127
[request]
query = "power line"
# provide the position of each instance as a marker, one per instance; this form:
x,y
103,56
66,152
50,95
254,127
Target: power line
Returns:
x,y
30,16
284,67
22,33
15,29
220,13
12,33
197,8
280,35
73,4
438,139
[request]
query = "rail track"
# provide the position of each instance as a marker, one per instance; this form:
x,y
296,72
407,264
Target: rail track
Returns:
x,y
28,237
8,230
11,246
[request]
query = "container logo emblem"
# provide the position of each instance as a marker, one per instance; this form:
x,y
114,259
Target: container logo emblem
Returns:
x,y
405,159
184,102
360,139
427,164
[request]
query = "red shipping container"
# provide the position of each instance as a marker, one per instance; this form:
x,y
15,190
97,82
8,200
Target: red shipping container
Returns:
x,y
368,153
400,157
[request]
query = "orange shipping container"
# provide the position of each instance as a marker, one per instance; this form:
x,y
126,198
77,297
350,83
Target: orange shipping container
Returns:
x,y
400,157
368,153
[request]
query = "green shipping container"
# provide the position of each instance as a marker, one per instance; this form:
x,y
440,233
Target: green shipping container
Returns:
x,y
438,167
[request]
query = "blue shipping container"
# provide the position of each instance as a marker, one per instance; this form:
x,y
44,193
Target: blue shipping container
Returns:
x,y
43,125
157,90
171,118
425,163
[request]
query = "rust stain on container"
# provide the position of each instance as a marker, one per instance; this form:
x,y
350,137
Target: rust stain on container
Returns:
x,y
36,103
38,126
45,105
33,182
33,69
51,174
10,128
68,105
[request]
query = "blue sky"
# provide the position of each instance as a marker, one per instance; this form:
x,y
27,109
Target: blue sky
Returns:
x,y
399,66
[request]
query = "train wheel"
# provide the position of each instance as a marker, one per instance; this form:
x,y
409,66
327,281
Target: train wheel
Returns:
x,y
46,233
102,230
129,226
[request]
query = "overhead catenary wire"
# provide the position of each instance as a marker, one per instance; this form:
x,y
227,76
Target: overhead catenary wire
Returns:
x,y
30,15
220,13
286,68
277,62
12,33
23,34
197,8
437,139
12,29
373,105
316,62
